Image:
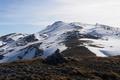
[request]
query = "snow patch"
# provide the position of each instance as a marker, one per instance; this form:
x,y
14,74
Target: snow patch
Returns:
x,y
110,47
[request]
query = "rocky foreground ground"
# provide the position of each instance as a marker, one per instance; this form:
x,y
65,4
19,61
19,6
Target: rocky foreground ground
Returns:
x,y
57,67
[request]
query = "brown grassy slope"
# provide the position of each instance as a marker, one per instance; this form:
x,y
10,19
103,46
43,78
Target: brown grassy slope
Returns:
x,y
91,68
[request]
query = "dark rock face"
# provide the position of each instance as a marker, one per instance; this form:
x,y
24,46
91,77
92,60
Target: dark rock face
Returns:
x,y
9,40
38,52
30,38
91,36
1,57
55,58
72,35
3,38
33,47
76,26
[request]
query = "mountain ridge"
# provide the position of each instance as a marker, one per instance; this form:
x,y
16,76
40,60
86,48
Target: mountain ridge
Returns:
x,y
97,39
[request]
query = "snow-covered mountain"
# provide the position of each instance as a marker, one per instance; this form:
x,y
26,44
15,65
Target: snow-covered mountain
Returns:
x,y
101,40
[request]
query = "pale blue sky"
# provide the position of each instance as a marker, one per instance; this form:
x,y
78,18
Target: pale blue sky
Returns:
x,y
30,16
25,16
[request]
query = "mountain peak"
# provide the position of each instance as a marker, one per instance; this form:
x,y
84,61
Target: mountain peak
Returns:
x,y
58,23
